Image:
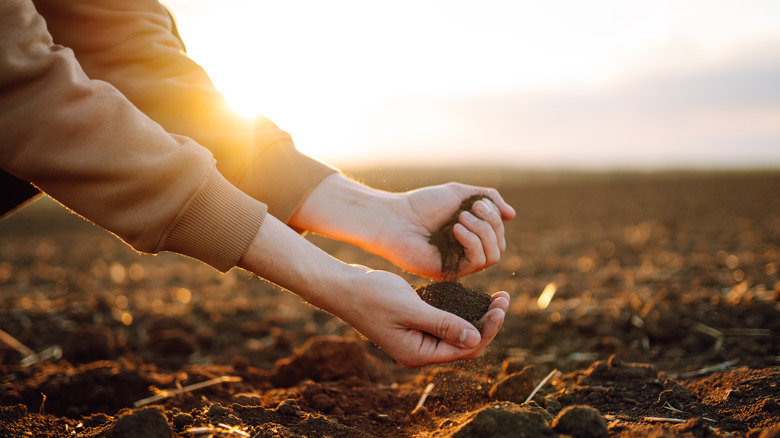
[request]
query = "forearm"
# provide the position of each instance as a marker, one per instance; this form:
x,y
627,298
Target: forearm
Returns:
x,y
282,256
343,209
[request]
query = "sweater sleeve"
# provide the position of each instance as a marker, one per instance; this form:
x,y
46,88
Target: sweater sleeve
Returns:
x,y
132,45
81,142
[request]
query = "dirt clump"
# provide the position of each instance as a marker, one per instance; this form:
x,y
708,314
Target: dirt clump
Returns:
x,y
581,422
147,422
504,420
453,297
515,387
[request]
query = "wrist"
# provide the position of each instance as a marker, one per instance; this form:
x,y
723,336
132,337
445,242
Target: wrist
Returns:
x,y
346,210
283,257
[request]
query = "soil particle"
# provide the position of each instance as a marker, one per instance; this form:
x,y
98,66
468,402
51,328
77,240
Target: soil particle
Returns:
x,y
581,422
453,297
147,422
515,387
450,250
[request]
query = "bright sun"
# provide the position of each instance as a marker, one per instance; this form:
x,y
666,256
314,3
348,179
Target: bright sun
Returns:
x,y
352,80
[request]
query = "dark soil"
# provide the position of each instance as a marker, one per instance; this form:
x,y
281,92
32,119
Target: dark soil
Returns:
x,y
665,322
450,250
453,297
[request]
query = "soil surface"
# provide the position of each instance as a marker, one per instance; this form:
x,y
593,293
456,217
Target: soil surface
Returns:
x,y
647,304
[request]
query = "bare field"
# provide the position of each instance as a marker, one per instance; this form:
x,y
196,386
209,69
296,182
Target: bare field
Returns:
x,y
662,317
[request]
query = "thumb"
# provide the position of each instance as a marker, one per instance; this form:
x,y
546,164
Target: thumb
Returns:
x,y
449,328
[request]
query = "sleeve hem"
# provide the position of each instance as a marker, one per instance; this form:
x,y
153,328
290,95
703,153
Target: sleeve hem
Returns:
x,y
217,225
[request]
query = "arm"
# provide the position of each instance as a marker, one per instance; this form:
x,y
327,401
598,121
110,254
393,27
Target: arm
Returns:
x,y
131,46
380,305
84,144
397,225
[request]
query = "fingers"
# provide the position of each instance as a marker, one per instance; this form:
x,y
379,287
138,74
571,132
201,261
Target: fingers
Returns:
x,y
482,235
506,210
450,329
460,339
488,212
499,300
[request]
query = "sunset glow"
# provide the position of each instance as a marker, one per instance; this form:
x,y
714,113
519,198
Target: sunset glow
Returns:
x,y
360,82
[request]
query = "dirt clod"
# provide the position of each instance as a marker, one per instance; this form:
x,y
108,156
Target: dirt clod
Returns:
x,y
504,420
515,387
146,422
581,422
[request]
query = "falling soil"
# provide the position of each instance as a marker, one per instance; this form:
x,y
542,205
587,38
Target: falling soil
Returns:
x,y
450,250
665,322
453,297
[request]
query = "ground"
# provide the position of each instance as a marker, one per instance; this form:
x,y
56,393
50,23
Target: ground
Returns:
x,y
659,316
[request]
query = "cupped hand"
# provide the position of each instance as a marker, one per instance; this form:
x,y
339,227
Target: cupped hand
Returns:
x,y
417,214
385,309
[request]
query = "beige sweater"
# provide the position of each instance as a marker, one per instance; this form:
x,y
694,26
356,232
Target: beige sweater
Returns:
x,y
111,131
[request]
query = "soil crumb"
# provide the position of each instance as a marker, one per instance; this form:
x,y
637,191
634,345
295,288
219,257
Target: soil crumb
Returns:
x,y
450,250
453,297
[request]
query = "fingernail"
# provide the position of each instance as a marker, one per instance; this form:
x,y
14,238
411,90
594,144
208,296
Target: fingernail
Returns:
x,y
469,338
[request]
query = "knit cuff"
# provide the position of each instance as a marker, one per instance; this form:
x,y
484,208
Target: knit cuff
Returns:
x,y
217,225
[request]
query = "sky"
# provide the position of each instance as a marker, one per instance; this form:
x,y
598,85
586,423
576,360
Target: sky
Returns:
x,y
600,84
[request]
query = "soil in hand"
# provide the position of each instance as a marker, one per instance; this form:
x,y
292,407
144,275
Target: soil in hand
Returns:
x,y
450,250
453,297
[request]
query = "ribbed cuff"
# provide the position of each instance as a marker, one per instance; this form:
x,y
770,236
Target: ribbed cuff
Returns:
x,y
217,225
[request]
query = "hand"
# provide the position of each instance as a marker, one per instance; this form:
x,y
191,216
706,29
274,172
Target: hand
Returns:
x,y
404,239
386,310
380,305
396,226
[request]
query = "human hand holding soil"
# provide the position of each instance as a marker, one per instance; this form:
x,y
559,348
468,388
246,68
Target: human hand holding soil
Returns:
x,y
389,312
397,226
380,305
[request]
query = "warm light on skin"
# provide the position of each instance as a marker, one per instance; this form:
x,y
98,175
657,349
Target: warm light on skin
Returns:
x,y
330,72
